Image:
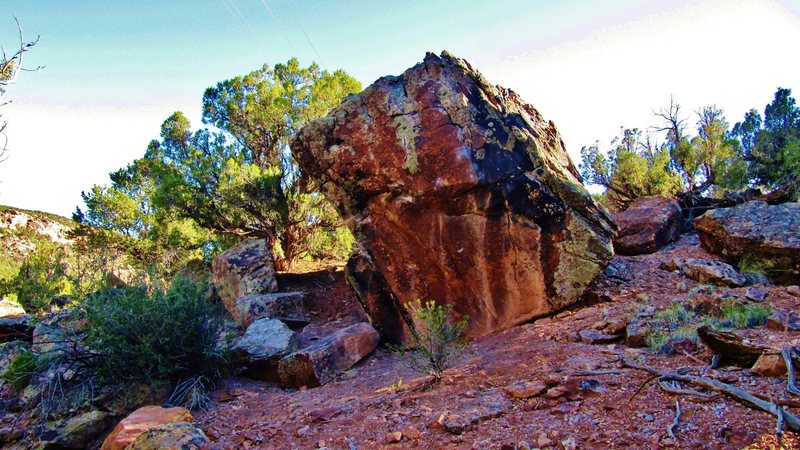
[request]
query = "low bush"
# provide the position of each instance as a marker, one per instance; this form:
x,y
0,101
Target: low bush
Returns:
x,y
22,368
160,338
437,339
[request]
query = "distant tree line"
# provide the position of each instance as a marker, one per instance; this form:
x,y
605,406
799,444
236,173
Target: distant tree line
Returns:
x,y
715,160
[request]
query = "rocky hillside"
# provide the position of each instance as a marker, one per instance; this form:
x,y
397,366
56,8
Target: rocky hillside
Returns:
x,y
21,230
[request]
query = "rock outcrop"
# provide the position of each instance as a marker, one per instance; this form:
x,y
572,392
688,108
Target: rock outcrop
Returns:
x,y
288,307
244,269
140,421
320,362
647,225
264,343
766,235
458,192
176,435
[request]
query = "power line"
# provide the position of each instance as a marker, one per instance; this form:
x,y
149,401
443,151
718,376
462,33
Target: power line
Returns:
x,y
280,28
234,11
308,39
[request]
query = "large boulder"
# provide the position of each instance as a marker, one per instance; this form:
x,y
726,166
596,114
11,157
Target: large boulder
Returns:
x,y
459,192
264,343
767,235
647,225
244,269
288,307
140,421
176,435
76,432
320,362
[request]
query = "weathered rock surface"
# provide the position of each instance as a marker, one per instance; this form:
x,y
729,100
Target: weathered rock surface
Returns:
x,y
647,225
288,307
768,235
320,362
458,192
730,348
264,343
76,432
140,421
770,364
711,272
177,435
244,269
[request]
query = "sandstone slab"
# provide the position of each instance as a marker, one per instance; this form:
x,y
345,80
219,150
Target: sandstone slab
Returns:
x,y
458,192
288,307
176,435
767,235
712,272
320,362
264,343
244,269
140,421
647,225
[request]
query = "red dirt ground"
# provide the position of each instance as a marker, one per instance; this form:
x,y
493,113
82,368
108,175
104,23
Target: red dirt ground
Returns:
x,y
610,412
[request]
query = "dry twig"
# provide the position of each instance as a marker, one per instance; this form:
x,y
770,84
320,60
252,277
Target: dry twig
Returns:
x,y
676,421
742,396
791,386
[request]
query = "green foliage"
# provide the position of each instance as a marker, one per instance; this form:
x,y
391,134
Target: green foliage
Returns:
x,y
199,191
160,338
772,146
436,339
632,168
737,315
753,269
41,277
659,342
21,370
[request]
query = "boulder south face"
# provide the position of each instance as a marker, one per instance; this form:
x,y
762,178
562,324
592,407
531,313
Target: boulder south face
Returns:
x,y
458,192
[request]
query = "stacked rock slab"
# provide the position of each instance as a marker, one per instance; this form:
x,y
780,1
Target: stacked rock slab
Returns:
x,y
766,235
458,192
647,225
244,269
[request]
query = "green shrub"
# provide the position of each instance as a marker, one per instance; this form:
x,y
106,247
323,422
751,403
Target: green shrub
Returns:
x,y
660,342
159,338
21,370
41,277
738,315
753,270
437,339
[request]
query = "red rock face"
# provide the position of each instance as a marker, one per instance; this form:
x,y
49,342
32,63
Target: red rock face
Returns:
x,y
458,192
648,224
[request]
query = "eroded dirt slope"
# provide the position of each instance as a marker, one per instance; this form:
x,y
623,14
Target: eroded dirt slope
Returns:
x,y
590,401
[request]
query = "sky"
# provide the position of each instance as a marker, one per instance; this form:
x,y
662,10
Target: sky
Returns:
x,y
115,70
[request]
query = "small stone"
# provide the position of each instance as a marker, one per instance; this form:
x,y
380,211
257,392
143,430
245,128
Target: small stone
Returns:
x,y
780,321
525,389
556,392
411,433
569,443
636,334
597,337
793,290
395,437
543,441
303,431
755,294
770,365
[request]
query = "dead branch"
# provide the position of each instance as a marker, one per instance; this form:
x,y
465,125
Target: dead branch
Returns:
x,y
676,421
673,388
589,373
742,396
791,386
